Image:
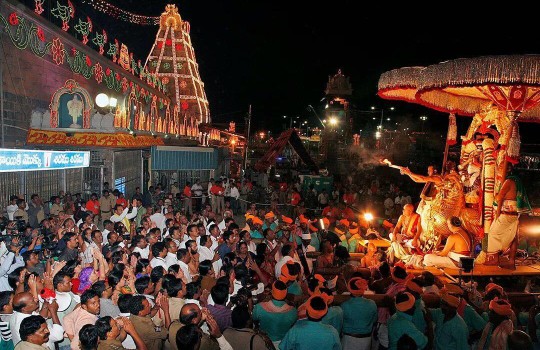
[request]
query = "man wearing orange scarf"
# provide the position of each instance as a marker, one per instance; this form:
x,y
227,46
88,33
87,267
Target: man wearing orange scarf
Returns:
x,y
495,334
475,322
312,334
419,317
451,331
399,284
401,324
359,316
275,316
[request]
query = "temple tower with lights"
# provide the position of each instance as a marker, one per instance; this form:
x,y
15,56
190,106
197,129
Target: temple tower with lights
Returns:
x,y
338,131
172,59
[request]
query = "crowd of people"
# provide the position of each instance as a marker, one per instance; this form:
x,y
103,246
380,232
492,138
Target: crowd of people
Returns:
x,y
207,267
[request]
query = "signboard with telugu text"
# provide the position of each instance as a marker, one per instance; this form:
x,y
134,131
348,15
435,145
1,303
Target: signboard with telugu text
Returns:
x,y
12,160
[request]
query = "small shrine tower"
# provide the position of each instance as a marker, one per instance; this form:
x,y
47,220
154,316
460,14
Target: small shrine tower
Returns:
x,y
338,93
338,130
172,59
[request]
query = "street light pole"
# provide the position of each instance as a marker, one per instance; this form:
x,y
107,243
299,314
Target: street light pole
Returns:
x,y
248,122
423,119
290,121
314,112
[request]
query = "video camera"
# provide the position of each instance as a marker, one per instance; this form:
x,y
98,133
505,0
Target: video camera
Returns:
x,y
16,229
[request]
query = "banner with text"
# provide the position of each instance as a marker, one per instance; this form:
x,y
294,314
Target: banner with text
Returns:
x,y
30,160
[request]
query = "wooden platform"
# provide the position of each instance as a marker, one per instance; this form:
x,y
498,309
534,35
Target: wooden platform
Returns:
x,y
481,270
447,275
435,271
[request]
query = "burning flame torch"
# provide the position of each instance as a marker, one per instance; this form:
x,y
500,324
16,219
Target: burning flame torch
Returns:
x,y
387,162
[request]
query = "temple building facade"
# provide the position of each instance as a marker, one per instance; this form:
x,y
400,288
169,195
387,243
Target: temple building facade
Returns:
x,y
70,86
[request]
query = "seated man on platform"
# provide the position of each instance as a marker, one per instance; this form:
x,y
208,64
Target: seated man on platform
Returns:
x,y
406,234
457,245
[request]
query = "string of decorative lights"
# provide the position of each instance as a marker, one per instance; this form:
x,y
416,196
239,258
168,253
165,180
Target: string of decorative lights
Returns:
x,y
123,15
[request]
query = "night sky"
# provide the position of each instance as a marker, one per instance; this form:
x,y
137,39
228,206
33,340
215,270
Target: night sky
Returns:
x,y
277,55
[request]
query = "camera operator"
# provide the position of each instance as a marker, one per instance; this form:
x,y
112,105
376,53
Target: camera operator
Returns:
x,y
21,213
9,262
123,234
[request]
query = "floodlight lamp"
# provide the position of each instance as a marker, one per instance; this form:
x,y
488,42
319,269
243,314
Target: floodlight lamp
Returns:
x,y
102,100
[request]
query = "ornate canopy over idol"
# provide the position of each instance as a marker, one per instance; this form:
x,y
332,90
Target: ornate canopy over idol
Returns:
x,y
467,86
498,91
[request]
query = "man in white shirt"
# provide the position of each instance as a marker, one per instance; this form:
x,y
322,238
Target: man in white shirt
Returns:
x,y
158,218
306,247
172,248
208,193
184,258
287,252
207,248
197,191
175,233
108,226
214,234
159,251
227,220
8,263
123,305
235,195
121,215
12,207
205,253
25,305
141,246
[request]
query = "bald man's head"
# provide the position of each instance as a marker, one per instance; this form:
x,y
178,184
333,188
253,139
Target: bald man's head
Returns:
x,y
25,303
408,209
190,314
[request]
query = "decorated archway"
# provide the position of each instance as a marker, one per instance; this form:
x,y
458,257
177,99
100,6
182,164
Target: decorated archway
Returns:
x,y
71,106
